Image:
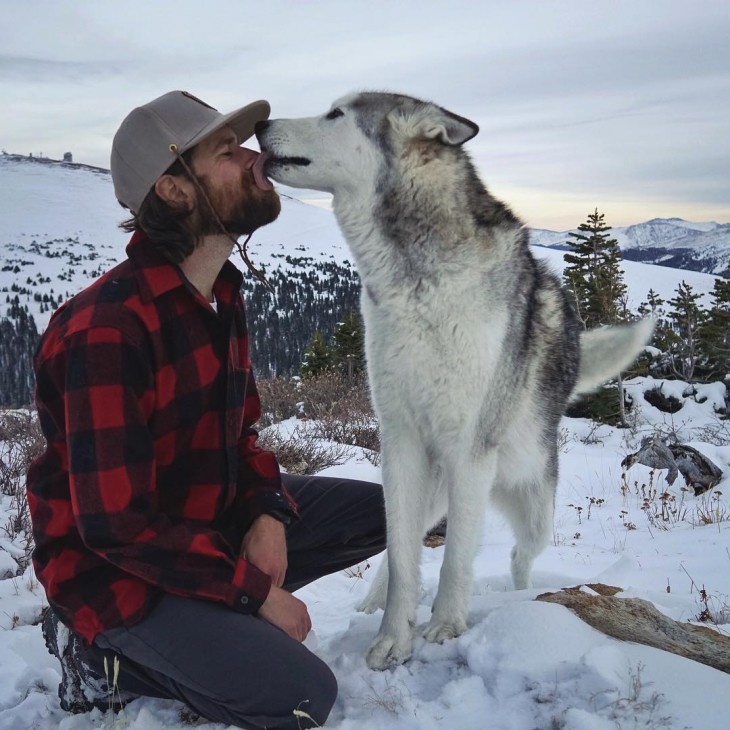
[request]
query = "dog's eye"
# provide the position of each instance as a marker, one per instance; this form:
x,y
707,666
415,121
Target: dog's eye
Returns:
x,y
336,112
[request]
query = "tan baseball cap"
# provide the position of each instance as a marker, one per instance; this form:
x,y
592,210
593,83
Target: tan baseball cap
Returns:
x,y
151,136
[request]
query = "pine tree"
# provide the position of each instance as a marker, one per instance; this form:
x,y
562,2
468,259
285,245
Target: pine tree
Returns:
x,y
349,347
714,332
318,357
686,318
654,306
594,275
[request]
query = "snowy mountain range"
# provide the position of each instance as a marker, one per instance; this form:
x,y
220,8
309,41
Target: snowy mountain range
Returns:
x,y
672,242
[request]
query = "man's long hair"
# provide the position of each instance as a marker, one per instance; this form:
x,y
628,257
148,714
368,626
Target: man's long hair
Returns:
x,y
165,224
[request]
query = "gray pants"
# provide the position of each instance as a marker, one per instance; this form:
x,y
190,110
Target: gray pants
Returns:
x,y
238,669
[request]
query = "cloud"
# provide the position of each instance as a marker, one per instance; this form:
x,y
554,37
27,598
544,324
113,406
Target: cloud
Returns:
x,y
29,70
611,98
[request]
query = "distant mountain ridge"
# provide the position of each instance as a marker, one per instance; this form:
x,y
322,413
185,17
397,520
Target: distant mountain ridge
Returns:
x,y
671,242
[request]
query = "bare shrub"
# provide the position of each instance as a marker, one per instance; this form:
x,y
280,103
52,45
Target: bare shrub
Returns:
x,y
339,406
333,396
21,441
342,409
717,434
280,399
303,451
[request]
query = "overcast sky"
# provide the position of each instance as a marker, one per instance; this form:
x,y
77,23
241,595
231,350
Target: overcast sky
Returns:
x,y
624,106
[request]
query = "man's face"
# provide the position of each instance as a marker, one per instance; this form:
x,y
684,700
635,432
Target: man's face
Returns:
x,y
226,172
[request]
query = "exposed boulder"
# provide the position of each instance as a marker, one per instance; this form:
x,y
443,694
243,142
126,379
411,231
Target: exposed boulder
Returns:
x,y
699,472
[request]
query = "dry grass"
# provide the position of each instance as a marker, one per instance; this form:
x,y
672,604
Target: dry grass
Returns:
x,y
665,509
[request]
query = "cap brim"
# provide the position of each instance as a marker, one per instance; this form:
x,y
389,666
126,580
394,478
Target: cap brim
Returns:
x,y
242,122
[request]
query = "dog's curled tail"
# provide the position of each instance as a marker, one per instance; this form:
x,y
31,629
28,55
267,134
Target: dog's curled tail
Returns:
x,y
606,351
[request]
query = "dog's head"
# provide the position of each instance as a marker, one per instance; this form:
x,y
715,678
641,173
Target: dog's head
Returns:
x,y
361,135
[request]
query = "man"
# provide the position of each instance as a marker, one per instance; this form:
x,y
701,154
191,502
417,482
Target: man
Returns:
x,y
164,536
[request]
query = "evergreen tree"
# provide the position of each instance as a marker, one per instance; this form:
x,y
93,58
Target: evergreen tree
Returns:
x,y
714,332
686,318
318,357
654,306
18,340
349,347
594,277
309,296
593,274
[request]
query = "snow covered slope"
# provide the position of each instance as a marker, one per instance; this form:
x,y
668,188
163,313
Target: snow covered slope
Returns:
x,y
58,231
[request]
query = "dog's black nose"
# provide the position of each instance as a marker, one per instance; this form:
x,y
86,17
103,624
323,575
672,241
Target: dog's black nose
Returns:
x,y
261,126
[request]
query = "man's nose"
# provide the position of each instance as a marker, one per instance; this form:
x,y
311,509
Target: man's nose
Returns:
x,y
247,156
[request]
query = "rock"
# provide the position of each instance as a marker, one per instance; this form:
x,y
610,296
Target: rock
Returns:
x,y
634,619
698,471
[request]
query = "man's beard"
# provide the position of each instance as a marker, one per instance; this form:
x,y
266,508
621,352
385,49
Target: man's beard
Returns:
x,y
240,208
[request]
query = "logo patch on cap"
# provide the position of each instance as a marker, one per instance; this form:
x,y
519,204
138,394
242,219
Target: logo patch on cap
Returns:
x,y
200,101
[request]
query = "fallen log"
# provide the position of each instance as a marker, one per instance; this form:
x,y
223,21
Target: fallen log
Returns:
x,y
634,619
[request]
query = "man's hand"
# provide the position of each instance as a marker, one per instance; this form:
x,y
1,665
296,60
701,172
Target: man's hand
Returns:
x,y
287,613
264,545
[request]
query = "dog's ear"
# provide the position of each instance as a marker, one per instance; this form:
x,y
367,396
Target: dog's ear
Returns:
x,y
448,128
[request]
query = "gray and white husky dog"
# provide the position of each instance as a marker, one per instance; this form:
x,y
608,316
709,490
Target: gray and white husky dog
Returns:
x,y
473,348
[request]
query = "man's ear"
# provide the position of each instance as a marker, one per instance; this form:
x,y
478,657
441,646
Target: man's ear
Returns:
x,y
174,189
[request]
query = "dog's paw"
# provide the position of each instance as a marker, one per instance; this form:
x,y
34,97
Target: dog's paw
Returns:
x,y
439,631
370,606
387,651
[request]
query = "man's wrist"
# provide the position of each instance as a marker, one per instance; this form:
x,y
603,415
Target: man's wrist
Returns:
x,y
284,517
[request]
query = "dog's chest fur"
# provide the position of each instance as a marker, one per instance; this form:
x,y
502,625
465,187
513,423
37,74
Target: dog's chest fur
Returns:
x,y
433,330
438,293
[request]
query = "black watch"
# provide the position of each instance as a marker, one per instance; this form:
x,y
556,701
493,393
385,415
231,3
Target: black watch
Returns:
x,y
280,515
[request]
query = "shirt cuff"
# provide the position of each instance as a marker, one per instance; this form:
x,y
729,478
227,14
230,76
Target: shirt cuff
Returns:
x,y
250,588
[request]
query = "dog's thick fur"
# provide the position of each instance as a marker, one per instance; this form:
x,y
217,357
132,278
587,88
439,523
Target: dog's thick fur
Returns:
x,y
473,348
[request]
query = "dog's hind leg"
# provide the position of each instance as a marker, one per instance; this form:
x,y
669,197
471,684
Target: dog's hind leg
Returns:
x,y
470,482
405,472
528,505
378,591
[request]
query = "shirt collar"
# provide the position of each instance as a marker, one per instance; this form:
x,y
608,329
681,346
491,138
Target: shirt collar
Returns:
x,y
156,275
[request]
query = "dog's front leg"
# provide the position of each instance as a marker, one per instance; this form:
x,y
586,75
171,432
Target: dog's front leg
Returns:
x,y
405,473
469,484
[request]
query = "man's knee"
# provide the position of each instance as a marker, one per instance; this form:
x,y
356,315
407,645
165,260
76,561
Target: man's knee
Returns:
x,y
318,691
303,697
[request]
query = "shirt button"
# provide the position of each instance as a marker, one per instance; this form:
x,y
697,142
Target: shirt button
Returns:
x,y
244,600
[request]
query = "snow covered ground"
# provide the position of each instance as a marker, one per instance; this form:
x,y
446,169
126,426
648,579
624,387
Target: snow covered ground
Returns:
x,y
522,665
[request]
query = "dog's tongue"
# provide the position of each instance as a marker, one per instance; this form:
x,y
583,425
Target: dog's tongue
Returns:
x,y
259,177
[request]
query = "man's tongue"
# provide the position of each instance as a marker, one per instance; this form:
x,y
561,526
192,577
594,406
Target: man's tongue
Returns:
x,y
261,180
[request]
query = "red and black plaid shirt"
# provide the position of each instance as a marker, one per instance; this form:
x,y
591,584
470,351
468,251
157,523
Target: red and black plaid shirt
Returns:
x,y
151,475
